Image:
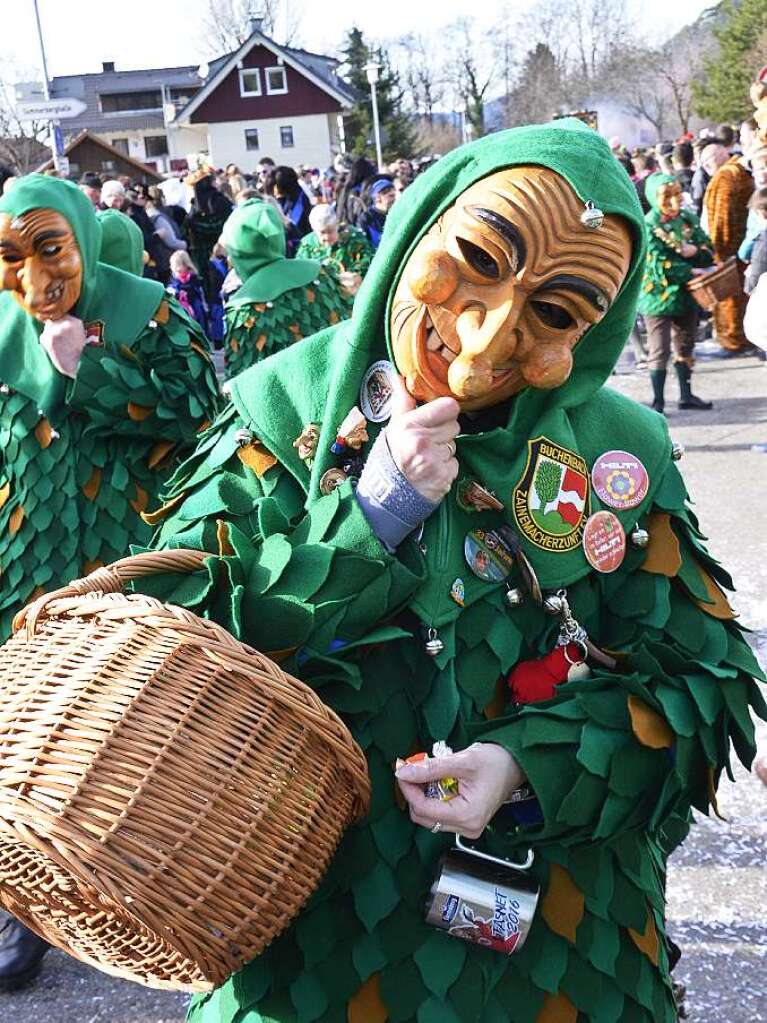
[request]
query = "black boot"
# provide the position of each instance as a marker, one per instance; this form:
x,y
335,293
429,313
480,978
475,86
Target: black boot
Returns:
x,y
686,398
21,954
658,381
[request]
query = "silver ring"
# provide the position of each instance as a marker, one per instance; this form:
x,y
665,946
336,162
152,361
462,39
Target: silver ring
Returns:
x,y
436,829
451,447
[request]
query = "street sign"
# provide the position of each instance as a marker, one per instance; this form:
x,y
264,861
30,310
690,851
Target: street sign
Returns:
x,y
58,141
50,109
63,167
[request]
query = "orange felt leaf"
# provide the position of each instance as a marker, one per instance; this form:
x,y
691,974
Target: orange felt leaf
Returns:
x,y
260,307
647,943
720,605
310,295
365,1006
141,500
158,452
91,566
203,426
334,317
562,906
261,342
5,493
38,591
664,556
278,656
15,520
152,518
256,457
43,432
200,350
648,726
222,535
139,412
494,709
234,345
91,488
295,329
557,1009
163,312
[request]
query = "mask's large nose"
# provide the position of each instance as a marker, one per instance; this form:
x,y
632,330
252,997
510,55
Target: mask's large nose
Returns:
x,y
487,332
35,282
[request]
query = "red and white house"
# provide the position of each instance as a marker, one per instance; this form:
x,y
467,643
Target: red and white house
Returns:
x,y
264,100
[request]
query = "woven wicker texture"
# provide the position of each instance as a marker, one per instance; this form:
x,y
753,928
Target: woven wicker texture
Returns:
x,y
711,287
169,798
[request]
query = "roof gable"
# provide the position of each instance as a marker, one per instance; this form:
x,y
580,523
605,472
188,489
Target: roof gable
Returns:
x,y
304,64
119,156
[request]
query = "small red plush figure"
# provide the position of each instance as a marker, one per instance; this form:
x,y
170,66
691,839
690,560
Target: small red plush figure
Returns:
x,y
533,681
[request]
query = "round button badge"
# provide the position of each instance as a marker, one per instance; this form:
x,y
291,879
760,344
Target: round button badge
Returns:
x,y
619,479
604,541
376,391
487,555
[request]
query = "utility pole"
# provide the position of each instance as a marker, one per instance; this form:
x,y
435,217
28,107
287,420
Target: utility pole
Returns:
x,y
46,87
372,70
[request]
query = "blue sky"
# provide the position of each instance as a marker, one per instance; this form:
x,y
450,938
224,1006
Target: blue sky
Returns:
x,y
147,33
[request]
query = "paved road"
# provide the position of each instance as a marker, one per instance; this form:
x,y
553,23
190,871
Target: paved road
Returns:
x,y
717,886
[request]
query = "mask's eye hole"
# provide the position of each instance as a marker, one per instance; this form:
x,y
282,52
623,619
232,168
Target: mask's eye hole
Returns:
x,y
11,257
553,315
50,250
479,260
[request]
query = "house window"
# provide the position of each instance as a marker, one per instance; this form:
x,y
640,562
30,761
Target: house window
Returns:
x,y
251,138
156,145
276,81
118,102
250,81
121,144
108,165
286,137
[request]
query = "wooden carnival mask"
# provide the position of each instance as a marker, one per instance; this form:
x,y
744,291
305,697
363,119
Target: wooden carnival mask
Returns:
x,y
41,263
500,289
669,199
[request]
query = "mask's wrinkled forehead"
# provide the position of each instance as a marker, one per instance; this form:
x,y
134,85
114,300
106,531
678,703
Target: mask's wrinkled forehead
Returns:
x,y
34,228
536,216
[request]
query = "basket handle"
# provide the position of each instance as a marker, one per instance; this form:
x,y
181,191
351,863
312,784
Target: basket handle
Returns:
x,y
114,578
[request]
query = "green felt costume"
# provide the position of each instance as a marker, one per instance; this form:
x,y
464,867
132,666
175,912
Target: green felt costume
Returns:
x,y
616,760
666,273
352,252
82,457
281,300
122,243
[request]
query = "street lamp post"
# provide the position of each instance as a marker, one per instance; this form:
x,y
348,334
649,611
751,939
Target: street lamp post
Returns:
x,y
46,88
372,70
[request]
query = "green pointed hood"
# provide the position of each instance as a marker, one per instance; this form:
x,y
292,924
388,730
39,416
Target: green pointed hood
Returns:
x,y
254,239
122,243
319,379
653,184
124,304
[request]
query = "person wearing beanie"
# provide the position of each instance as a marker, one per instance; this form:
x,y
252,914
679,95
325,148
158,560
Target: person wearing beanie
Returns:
x,y
280,300
381,196
677,247
122,243
513,520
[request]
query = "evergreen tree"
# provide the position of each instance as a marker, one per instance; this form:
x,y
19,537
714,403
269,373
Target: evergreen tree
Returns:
x,y
722,91
398,131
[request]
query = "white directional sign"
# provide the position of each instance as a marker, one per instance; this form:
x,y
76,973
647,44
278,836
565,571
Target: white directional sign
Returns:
x,y
50,109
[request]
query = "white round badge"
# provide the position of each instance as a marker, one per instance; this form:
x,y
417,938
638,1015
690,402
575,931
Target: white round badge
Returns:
x,y
376,391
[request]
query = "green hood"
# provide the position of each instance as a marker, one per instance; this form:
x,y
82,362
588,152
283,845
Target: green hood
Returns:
x,y
124,304
254,239
653,184
319,380
122,243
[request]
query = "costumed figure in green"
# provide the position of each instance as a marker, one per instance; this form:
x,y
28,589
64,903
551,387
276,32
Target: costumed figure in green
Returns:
x,y
104,382
122,243
517,573
677,249
345,248
281,300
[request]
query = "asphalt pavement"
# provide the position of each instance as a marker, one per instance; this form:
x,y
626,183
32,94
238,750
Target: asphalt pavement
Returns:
x,y
717,884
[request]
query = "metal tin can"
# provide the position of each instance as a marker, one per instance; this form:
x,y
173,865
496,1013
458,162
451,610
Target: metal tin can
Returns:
x,y
483,899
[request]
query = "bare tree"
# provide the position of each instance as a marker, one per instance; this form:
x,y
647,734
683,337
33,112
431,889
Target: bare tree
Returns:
x,y
22,143
422,72
471,72
645,91
226,24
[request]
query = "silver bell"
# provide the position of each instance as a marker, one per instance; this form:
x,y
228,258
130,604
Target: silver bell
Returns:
x,y
592,217
434,645
677,450
514,597
243,437
553,604
640,537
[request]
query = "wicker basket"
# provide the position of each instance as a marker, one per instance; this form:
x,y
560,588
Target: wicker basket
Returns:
x,y
169,798
711,287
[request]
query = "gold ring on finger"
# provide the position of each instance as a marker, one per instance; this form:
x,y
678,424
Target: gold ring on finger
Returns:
x,y
451,447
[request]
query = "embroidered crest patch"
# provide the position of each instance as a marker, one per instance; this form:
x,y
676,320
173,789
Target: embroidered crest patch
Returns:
x,y
551,500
